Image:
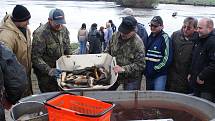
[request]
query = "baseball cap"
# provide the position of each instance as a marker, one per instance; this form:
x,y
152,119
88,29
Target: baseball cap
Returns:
x,y
57,15
128,24
157,20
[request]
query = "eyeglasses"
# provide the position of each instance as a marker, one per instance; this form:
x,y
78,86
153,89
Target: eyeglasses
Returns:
x,y
152,25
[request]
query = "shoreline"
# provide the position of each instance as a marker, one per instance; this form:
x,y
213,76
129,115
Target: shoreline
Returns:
x,y
180,2
190,2
177,2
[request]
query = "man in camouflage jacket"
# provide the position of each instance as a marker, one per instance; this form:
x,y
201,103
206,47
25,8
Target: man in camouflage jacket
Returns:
x,y
50,42
129,51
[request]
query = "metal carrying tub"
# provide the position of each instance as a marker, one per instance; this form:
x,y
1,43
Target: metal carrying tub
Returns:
x,y
185,105
71,63
29,111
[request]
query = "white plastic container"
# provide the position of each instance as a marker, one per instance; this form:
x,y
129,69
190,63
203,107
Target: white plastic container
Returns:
x,y
77,62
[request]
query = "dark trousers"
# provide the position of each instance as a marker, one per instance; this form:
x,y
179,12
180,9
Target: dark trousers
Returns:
x,y
205,95
2,114
131,85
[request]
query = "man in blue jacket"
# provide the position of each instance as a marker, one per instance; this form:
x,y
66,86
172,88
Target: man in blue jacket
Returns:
x,y
140,28
158,55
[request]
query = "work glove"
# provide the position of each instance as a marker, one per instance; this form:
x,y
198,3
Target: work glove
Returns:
x,y
55,72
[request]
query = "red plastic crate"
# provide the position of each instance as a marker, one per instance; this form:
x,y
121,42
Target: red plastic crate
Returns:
x,y
69,107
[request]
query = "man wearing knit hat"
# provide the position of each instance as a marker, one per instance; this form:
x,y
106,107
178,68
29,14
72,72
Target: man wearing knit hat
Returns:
x,y
50,42
14,32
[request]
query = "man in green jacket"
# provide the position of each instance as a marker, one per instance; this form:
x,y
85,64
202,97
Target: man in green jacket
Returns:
x,y
50,42
129,51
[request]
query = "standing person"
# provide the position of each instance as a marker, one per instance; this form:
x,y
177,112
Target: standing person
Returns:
x,y
13,80
94,40
113,26
82,38
203,61
108,35
183,41
14,32
158,55
129,51
50,42
102,36
140,29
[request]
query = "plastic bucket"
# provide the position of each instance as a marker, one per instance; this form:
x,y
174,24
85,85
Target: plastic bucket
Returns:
x,y
69,107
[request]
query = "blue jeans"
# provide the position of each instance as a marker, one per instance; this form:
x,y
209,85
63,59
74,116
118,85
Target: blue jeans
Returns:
x,y
104,45
132,85
82,47
158,83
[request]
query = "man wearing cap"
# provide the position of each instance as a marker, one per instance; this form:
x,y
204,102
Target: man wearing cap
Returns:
x,y
141,31
129,51
50,42
158,55
14,32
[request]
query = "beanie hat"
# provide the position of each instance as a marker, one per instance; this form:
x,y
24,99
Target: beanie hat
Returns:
x,y
20,14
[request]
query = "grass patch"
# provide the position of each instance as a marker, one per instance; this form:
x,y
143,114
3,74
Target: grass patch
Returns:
x,y
74,46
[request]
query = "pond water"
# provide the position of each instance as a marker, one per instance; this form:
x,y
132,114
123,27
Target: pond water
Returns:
x,y
78,12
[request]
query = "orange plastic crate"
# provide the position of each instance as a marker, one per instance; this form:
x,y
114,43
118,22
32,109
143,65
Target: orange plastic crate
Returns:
x,y
69,107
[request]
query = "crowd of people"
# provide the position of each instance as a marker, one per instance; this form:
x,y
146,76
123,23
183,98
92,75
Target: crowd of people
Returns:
x,y
183,62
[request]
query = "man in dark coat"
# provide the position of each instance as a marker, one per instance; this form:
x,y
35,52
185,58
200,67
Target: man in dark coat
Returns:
x,y
94,40
140,28
203,61
13,80
183,41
